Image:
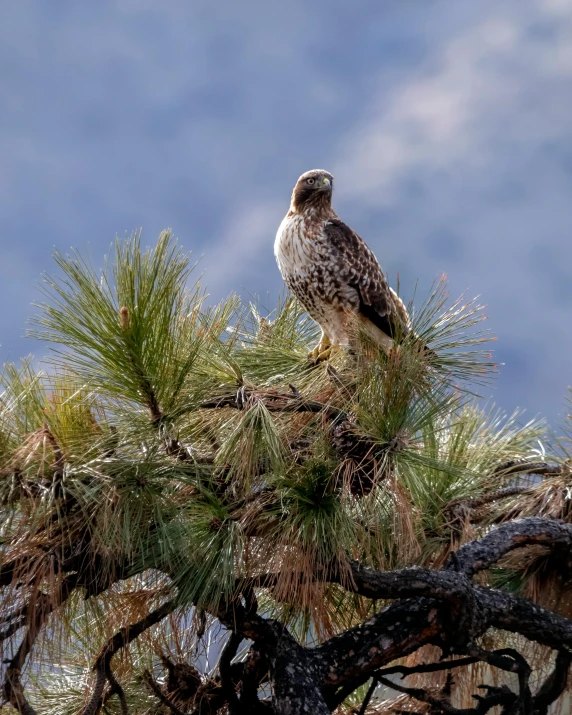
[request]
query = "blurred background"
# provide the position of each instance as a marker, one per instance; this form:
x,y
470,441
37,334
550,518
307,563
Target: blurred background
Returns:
x,y
447,124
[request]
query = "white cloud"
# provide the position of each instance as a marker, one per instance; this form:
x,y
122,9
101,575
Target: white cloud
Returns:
x,y
480,132
453,112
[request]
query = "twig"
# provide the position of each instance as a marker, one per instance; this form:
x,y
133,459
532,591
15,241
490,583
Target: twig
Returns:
x,y
404,670
175,448
369,695
517,664
418,694
497,696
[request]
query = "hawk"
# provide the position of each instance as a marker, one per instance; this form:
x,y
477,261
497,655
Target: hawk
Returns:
x,y
332,271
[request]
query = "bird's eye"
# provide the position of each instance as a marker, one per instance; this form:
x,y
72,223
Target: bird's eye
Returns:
x,y
310,181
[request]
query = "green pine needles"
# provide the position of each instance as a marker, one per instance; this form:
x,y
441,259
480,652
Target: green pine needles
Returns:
x,y
172,449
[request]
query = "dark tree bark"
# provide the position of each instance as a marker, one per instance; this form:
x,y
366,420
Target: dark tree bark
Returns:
x,y
442,607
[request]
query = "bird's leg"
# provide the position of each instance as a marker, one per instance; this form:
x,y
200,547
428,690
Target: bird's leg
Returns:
x,y
322,347
328,352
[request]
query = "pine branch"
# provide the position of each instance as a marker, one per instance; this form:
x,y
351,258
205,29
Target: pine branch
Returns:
x,y
544,469
148,392
156,689
228,653
441,704
122,638
554,685
116,689
447,610
480,555
292,483
403,671
41,607
461,507
274,402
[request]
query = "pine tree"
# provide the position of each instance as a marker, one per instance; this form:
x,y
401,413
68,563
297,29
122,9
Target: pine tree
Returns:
x,y
198,519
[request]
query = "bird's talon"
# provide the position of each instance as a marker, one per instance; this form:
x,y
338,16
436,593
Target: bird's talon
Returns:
x,y
325,353
321,348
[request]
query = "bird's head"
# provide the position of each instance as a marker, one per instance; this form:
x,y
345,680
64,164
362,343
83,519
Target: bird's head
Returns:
x,y
314,188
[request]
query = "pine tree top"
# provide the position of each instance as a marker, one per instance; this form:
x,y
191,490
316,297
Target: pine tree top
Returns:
x,y
178,459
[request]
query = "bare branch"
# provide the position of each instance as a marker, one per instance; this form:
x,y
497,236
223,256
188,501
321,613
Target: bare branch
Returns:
x,y
511,660
13,627
517,615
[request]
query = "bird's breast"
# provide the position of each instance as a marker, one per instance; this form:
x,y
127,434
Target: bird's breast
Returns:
x,y
295,245
311,271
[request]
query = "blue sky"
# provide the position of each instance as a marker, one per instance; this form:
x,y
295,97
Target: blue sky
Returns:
x,y
447,124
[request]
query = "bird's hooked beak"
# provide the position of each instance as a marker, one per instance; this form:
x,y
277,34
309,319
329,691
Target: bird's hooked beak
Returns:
x,y
325,184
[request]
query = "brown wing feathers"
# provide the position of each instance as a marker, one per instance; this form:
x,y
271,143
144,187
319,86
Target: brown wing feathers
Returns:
x,y
363,273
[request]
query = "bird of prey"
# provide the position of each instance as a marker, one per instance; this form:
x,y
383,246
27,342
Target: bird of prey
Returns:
x,y
332,272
